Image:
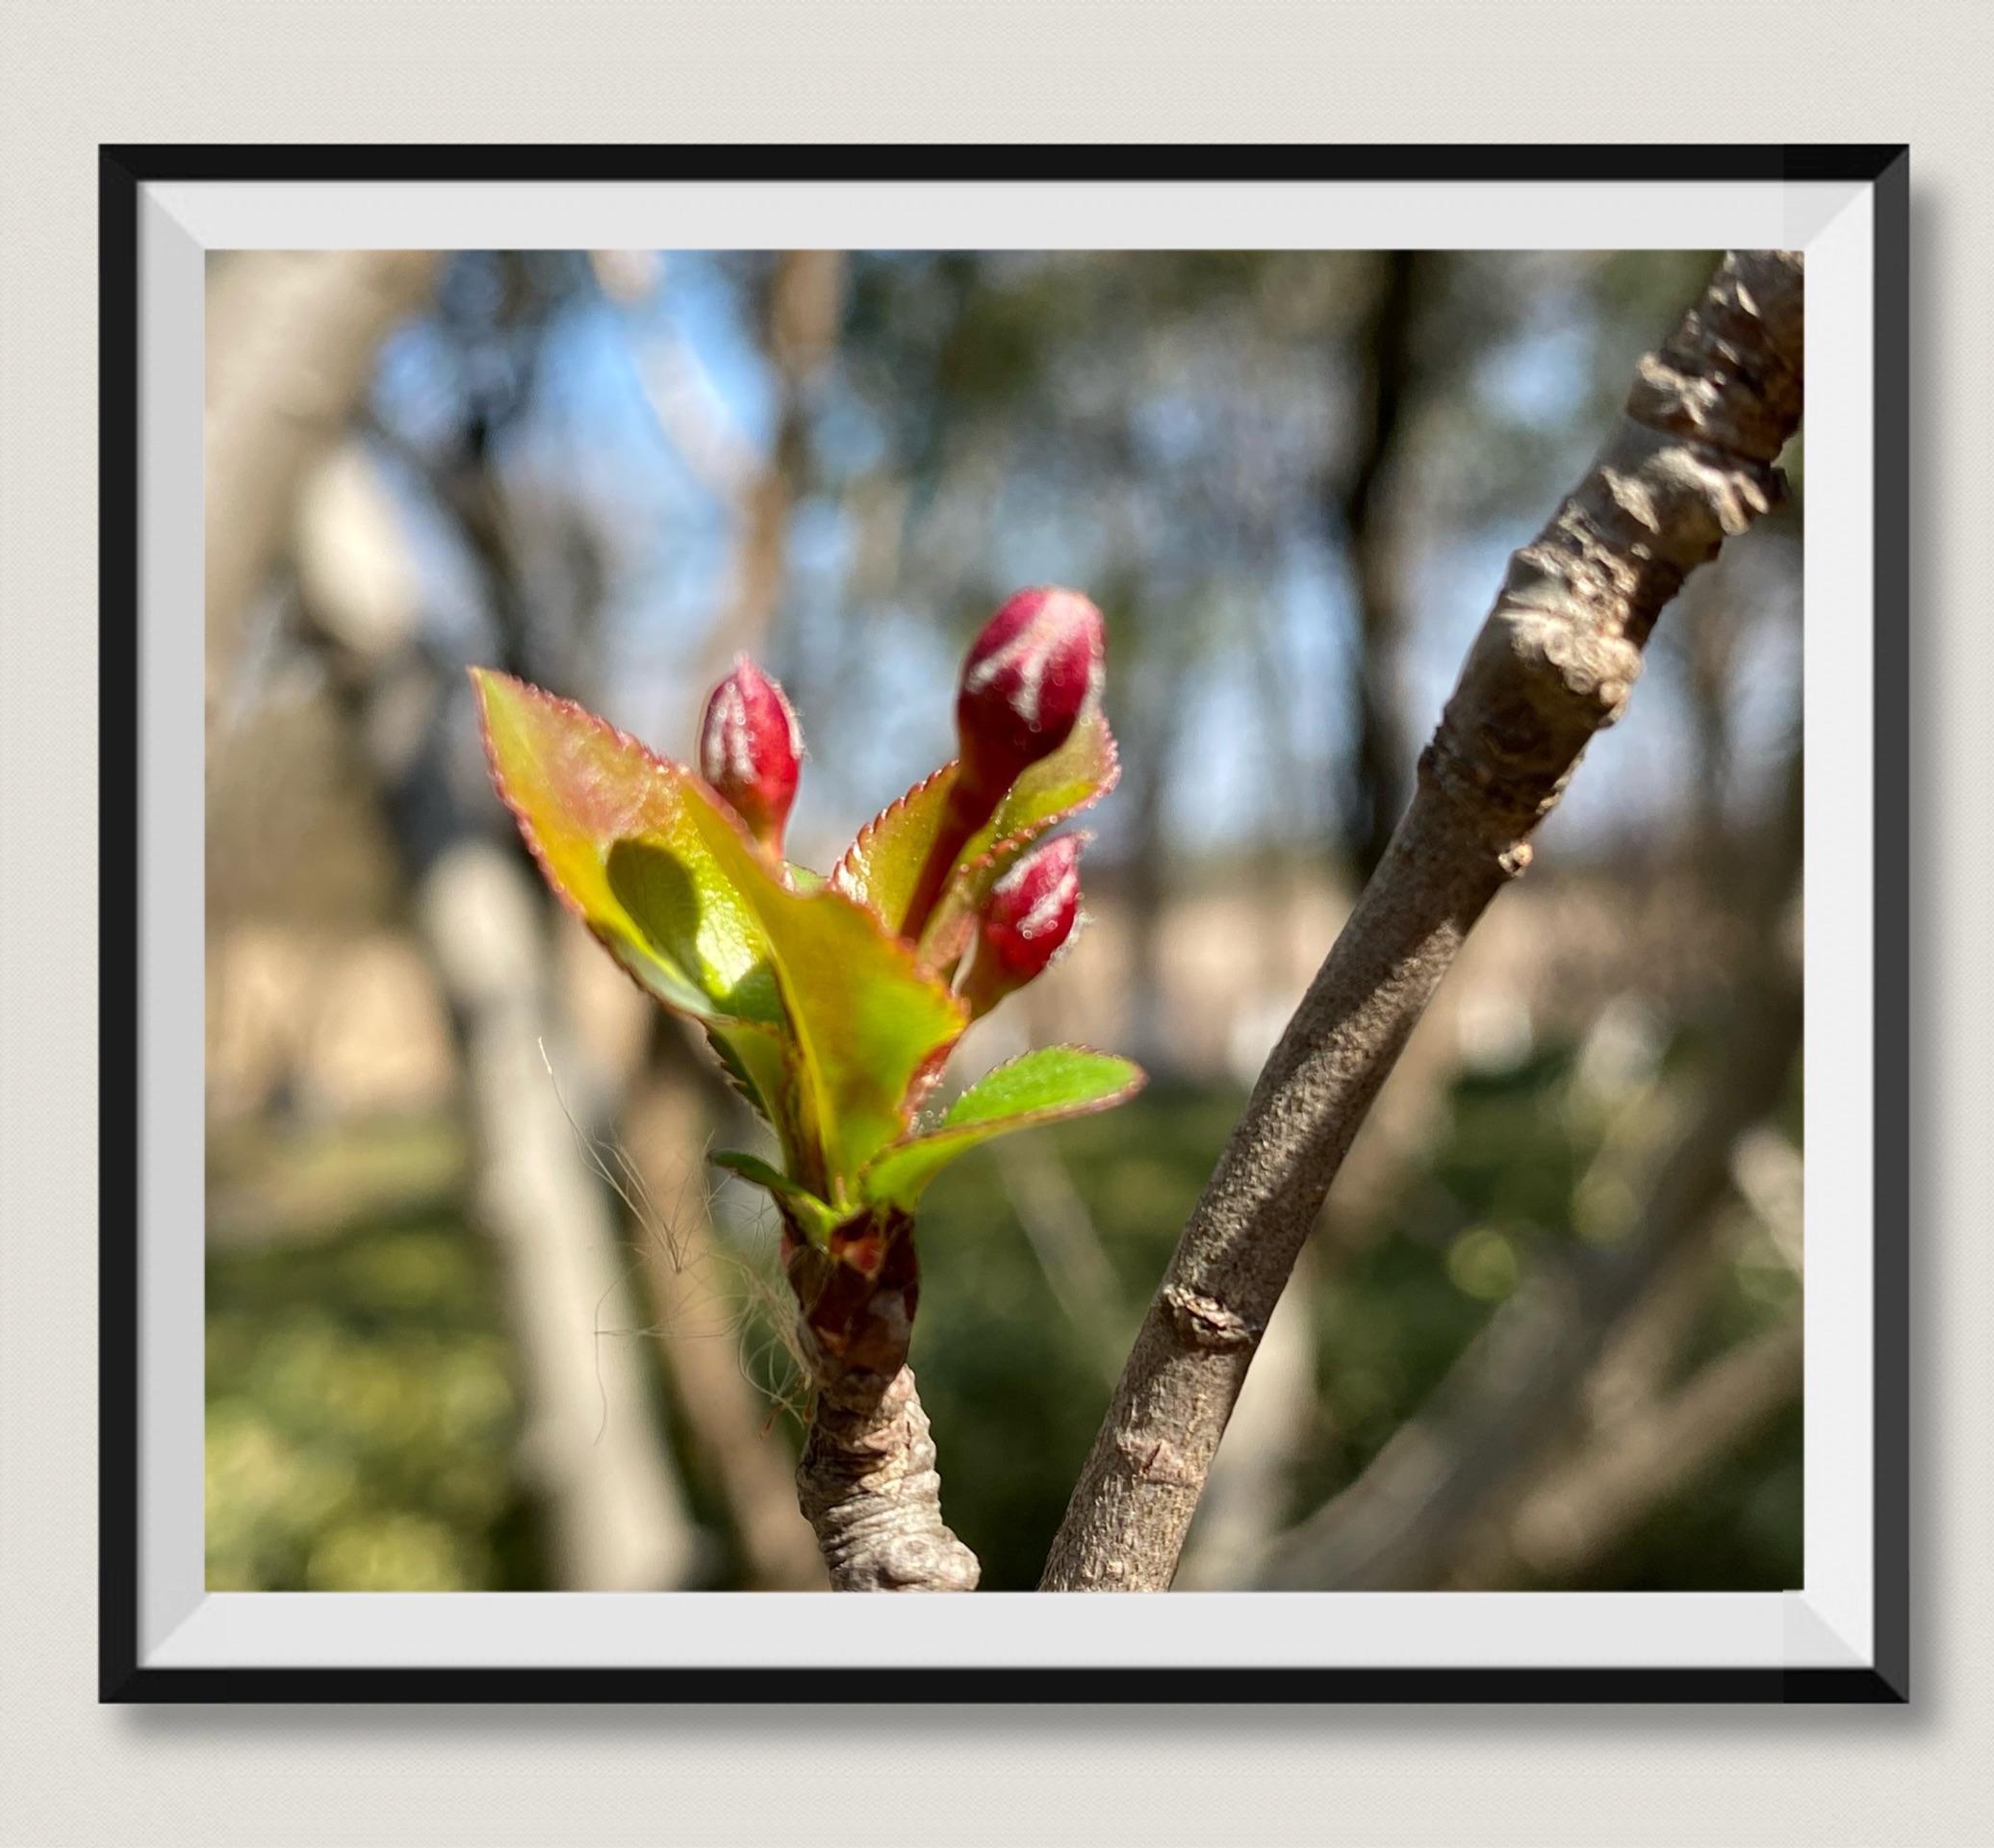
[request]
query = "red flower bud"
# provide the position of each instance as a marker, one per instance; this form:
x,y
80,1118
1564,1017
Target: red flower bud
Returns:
x,y
1024,685
1027,681
751,751
1031,912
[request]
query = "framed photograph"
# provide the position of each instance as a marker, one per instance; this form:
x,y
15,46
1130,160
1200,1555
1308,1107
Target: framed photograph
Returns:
x,y
654,697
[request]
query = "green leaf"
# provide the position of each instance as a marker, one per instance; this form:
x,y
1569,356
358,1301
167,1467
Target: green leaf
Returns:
x,y
816,1218
1074,777
824,1020
692,912
880,868
1078,773
868,1022
579,788
1043,1087
760,1061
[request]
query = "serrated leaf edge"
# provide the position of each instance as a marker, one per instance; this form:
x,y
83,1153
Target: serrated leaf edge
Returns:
x,y
844,873
574,709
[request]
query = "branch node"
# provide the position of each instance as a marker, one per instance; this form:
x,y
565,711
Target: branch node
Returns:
x,y
1204,1321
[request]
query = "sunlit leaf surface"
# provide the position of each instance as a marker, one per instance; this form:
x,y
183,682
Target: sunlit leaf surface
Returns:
x,y
866,1020
578,787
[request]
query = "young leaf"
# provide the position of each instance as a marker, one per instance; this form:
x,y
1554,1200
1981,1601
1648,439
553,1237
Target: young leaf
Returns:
x,y
816,1218
1043,1087
760,1063
1075,776
693,914
866,1020
880,868
578,787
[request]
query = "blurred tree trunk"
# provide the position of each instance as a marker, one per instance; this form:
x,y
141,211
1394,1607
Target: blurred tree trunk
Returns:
x,y
592,1444
1146,886
800,324
699,1312
294,341
667,1119
1361,507
1579,1512
1147,727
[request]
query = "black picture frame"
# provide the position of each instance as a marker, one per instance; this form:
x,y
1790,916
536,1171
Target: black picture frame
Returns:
x,y
125,170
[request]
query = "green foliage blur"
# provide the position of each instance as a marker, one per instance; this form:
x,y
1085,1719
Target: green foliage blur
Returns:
x,y
363,1418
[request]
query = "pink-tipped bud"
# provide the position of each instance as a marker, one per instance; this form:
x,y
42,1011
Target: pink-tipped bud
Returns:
x,y
1031,913
751,751
1024,685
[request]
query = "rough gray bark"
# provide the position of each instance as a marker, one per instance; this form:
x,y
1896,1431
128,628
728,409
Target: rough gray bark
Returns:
x,y
868,1484
1690,462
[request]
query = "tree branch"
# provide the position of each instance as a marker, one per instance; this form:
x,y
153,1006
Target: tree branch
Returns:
x,y
1690,462
868,1484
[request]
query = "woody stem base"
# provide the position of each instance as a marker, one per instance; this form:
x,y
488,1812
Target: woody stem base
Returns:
x,y
867,1482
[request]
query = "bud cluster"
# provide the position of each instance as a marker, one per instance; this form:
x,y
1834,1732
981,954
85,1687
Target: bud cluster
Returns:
x,y
1028,679
1026,683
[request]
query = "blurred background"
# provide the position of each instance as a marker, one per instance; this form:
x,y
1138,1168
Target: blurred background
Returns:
x,y
478,1313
